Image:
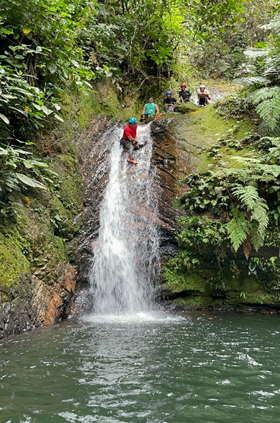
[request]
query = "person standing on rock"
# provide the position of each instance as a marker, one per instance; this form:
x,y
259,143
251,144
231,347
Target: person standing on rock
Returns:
x,y
129,139
184,95
149,110
203,95
169,102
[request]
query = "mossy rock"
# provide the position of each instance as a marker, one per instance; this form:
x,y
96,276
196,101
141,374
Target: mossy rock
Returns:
x,y
186,107
13,261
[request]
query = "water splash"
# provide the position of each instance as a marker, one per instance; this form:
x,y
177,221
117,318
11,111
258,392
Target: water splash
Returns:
x,y
123,270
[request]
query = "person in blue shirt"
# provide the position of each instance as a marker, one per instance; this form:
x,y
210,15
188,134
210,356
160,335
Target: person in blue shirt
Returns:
x,y
149,110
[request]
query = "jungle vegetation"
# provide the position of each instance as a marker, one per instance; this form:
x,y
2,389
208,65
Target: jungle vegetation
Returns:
x,y
235,206
52,47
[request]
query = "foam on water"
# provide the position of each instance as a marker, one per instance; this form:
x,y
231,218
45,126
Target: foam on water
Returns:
x,y
141,317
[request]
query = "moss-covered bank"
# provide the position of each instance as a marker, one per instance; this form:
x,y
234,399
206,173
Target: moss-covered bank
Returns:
x,y
204,271
39,231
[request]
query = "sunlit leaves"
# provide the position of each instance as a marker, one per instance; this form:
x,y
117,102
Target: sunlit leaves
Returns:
x,y
29,181
20,170
4,118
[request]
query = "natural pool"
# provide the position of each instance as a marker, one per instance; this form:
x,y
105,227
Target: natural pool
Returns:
x,y
146,368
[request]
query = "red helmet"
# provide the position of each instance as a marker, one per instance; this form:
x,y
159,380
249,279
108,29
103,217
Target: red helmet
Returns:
x,y
183,85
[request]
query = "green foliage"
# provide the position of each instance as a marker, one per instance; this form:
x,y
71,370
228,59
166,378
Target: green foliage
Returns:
x,y
13,261
268,105
40,58
238,227
196,236
244,198
264,78
223,30
21,171
236,106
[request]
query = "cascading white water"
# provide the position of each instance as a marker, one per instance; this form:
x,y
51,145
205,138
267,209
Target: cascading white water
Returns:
x,y
124,259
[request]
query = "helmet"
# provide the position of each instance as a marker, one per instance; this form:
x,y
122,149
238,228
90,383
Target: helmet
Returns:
x,y
168,92
202,86
183,85
132,120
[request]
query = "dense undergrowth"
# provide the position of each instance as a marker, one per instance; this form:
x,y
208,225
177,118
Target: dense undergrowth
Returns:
x,y
232,206
231,214
53,54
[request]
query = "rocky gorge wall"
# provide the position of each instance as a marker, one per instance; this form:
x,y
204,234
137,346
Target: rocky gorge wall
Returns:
x,y
181,142
39,239
46,248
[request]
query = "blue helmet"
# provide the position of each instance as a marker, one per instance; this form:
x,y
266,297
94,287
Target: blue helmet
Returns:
x,y
132,120
168,92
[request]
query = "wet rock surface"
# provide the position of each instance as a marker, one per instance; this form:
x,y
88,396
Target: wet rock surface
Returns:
x,y
93,149
17,311
172,164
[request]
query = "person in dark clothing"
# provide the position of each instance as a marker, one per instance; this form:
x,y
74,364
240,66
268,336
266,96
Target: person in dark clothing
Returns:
x,y
184,95
169,102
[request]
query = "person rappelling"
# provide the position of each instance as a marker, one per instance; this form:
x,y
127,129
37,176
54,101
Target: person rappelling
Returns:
x,y
129,140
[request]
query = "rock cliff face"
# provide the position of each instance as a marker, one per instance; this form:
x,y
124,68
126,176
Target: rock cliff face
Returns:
x,y
38,272
165,159
180,143
94,150
170,163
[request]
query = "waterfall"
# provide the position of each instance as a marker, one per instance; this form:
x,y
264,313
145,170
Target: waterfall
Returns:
x,y
126,254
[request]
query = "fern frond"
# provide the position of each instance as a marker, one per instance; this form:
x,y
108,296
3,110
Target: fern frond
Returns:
x,y
272,67
257,239
273,25
238,228
269,111
247,194
257,208
254,53
267,169
246,159
252,80
265,94
263,178
260,215
238,173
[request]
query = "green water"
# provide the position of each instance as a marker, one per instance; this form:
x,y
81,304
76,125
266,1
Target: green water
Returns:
x,y
203,368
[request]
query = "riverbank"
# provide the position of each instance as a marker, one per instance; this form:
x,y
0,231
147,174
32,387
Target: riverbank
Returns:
x,y
205,147
40,228
51,231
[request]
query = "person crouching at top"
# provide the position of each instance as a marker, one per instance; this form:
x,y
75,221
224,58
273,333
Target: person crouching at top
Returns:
x,y
169,102
129,139
184,94
203,95
149,110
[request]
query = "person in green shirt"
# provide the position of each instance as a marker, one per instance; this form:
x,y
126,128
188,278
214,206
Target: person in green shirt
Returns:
x,y
149,110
